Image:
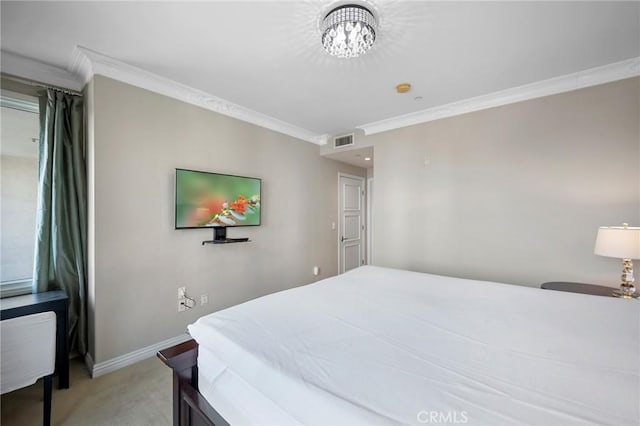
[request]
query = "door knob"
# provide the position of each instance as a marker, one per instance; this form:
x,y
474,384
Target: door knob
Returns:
x,y
342,239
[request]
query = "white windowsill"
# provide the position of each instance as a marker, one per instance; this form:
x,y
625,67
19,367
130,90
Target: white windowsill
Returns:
x,y
15,287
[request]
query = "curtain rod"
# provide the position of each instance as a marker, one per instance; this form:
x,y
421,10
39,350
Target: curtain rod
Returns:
x,y
40,84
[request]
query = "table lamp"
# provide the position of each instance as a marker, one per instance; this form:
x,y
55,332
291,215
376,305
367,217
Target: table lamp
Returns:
x,y
622,242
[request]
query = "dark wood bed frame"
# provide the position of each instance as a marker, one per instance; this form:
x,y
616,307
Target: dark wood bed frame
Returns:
x,y
189,406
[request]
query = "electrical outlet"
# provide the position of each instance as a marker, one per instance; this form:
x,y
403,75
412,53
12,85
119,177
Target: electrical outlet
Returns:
x,y
316,270
181,305
204,299
189,302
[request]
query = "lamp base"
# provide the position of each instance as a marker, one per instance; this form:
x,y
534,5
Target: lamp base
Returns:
x,y
627,289
625,294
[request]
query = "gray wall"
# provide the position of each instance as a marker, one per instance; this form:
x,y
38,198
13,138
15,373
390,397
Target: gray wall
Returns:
x,y
137,260
512,194
19,177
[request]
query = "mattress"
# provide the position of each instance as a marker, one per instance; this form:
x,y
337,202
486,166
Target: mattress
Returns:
x,y
385,346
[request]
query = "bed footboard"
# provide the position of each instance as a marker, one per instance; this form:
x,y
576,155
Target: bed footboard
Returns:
x,y
189,406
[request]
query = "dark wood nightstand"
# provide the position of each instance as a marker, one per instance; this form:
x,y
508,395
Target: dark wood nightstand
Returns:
x,y
596,290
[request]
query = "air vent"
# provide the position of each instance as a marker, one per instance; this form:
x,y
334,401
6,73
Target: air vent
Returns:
x,y
342,141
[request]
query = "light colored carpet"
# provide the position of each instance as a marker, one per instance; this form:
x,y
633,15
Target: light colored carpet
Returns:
x,y
136,395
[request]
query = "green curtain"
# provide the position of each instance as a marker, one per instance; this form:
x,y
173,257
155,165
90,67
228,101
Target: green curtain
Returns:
x,y
61,222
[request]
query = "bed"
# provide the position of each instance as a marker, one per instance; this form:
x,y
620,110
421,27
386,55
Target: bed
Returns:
x,y
384,346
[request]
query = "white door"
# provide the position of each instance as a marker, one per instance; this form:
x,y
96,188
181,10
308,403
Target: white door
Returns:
x,y
351,222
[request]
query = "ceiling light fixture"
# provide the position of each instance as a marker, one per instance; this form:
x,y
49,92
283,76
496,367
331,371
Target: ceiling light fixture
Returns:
x,y
348,31
403,87
367,158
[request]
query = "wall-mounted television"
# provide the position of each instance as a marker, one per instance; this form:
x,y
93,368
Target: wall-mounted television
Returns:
x,y
205,200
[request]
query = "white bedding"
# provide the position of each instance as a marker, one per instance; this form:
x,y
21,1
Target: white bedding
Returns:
x,y
384,346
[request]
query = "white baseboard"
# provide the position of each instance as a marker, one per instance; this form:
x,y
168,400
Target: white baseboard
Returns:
x,y
130,358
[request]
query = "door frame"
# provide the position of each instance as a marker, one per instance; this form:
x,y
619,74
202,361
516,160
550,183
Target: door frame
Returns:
x,y
368,221
364,212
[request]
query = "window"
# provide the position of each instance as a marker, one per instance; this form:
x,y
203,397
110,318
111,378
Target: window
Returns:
x,y
19,124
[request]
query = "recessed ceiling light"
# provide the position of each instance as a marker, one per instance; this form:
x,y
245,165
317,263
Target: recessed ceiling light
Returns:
x,y
367,158
403,87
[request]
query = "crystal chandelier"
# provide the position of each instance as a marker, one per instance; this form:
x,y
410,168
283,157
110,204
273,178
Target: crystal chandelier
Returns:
x,y
348,31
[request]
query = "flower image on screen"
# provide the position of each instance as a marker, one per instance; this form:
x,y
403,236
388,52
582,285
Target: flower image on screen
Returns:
x,y
211,199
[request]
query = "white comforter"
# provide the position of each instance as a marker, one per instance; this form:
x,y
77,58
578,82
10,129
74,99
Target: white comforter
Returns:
x,y
384,346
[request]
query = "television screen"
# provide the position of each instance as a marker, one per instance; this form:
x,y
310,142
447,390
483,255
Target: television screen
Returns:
x,y
210,199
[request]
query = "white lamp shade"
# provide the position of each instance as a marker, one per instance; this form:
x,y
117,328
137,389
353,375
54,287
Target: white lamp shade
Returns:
x,y
618,241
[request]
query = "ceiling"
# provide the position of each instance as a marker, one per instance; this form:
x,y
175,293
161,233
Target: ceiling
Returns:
x,y
361,157
267,56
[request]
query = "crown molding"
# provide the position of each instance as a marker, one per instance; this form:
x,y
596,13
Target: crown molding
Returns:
x,y
38,71
566,83
86,63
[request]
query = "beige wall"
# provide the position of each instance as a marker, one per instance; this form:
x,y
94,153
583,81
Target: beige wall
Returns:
x,y
138,260
89,106
512,194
